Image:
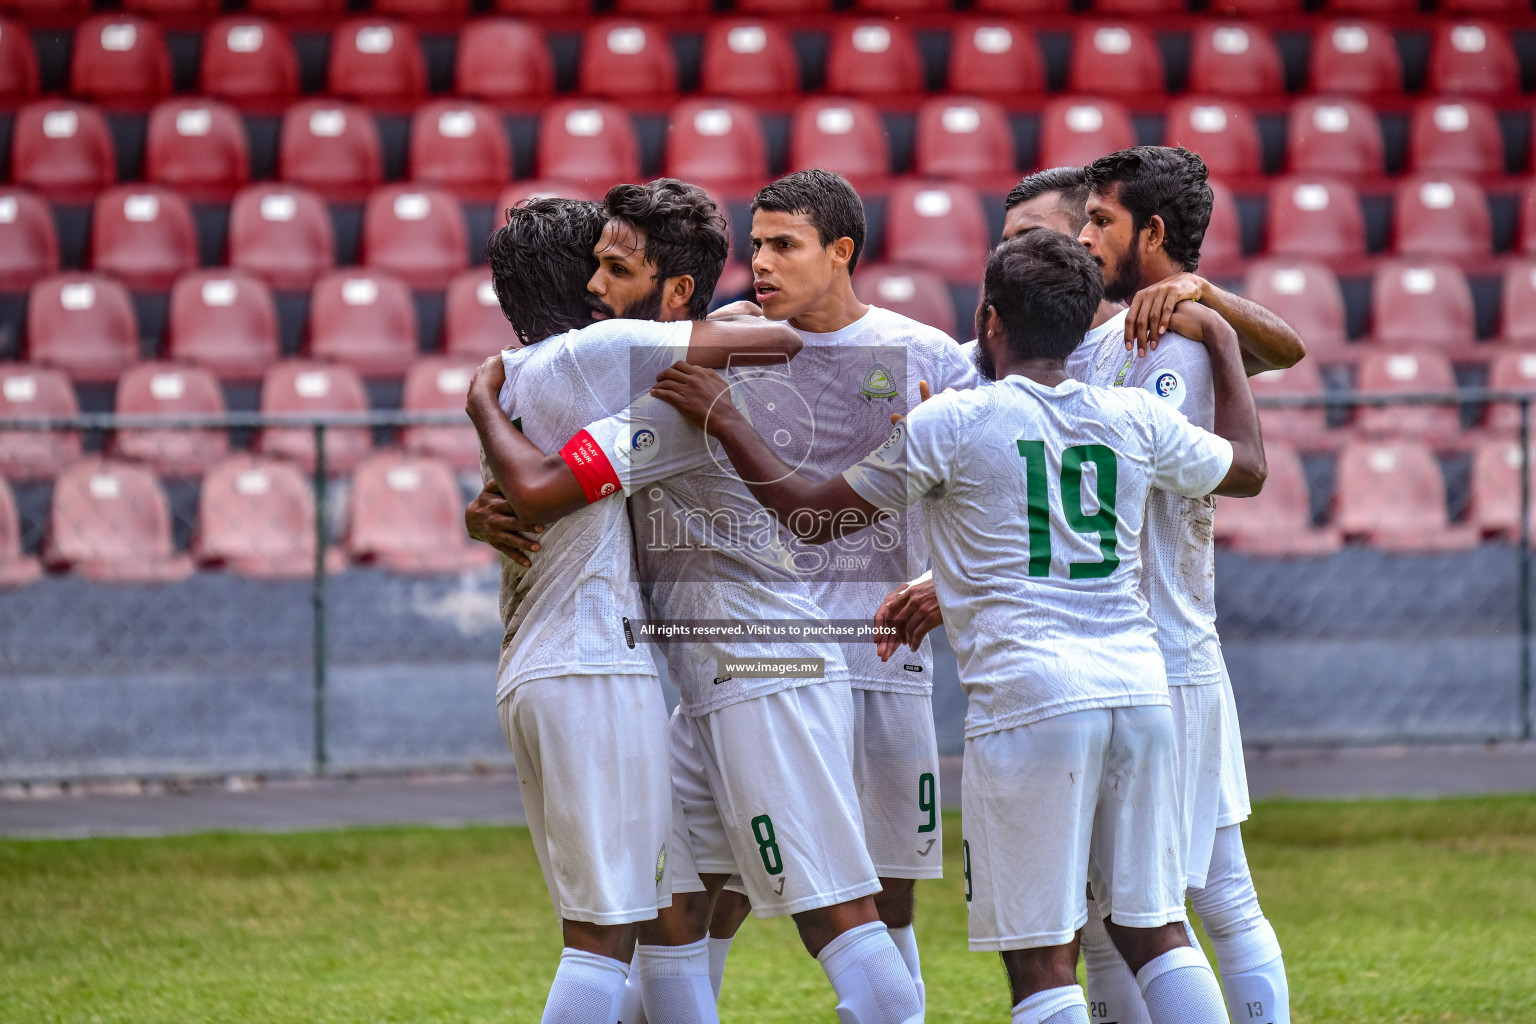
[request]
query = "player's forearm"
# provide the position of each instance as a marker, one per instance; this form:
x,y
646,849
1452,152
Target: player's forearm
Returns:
x,y
1268,342
816,513
540,487
741,340
1236,417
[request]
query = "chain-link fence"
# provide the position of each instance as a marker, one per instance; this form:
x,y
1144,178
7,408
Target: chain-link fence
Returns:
x,y
274,594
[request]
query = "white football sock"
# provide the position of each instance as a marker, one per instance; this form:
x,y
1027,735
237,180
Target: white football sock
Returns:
x,y
1180,988
586,990
675,980
906,944
1063,1005
719,949
871,982
1113,995
1253,974
631,1006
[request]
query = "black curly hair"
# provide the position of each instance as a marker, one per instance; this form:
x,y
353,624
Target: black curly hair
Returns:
x,y
1045,288
685,233
1070,183
1163,181
541,261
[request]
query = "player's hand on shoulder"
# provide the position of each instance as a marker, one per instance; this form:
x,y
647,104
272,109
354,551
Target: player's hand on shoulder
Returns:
x,y
1201,323
697,392
486,383
742,307
1151,313
490,519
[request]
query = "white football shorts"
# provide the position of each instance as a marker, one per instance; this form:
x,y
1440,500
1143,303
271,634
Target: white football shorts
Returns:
x,y
593,769
767,793
896,770
1087,796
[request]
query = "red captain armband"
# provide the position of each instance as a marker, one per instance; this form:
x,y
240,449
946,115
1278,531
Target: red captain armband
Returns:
x,y
593,470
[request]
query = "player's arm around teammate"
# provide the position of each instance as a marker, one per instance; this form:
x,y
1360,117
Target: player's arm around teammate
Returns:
x,y
1267,342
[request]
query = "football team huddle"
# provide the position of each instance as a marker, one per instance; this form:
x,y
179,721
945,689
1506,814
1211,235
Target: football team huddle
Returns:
x,y
784,497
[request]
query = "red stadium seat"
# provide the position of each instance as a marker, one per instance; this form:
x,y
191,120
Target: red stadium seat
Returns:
x,y
460,146
439,384
938,226
1456,136
1487,8
224,320
282,234
966,140
1473,57
1221,251
1305,295
36,392
197,147
29,243
299,9
995,58
1235,59
47,10
627,60
169,389
18,64
1527,241
1316,218
301,387
1519,305
143,235
473,324
663,8
1305,427
416,233
1078,130
119,60
1117,59
542,8
1422,304
873,58
1442,215
422,8
110,521
502,61
1385,373
1355,57
62,150
846,136
1278,520
781,8
376,60
1334,136
1493,499
911,291
1222,132
588,143
1393,494
1140,8
249,61
16,569
83,324
718,144
365,320
173,10
1510,371
331,147
256,516
406,513
748,58
1023,7
1373,8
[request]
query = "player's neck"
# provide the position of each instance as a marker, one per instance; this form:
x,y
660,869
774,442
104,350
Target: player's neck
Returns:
x,y
1049,372
1106,312
837,308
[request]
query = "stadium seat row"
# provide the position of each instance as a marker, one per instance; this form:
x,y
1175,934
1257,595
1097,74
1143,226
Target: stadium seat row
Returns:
x,y
110,520
122,60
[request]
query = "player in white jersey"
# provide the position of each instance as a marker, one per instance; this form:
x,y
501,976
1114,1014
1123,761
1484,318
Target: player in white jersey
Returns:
x,y
572,678
1036,488
1178,553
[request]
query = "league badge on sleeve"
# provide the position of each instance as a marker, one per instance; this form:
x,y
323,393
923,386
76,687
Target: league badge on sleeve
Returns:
x,y
638,449
1169,386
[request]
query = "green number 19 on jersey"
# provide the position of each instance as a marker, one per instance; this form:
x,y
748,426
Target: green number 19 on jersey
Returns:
x,y
1102,522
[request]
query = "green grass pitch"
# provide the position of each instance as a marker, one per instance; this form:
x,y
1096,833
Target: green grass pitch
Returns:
x,y
1389,911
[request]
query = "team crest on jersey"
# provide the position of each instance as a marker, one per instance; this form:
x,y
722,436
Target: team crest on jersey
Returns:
x,y
878,384
1169,386
638,449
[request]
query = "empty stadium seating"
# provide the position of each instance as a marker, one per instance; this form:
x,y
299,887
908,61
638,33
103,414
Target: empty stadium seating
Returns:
x,y
1493,501
110,521
84,324
331,147
629,60
1422,372
249,61
223,320
1422,303
307,388
1305,295
170,390
473,323
1355,57
1392,494
587,142
1118,59
966,140
1335,136
1472,57
920,294
718,144
748,59
416,233
406,513
995,57
439,384
938,226
197,147
36,392
1455,136
873,58
18,64
282,234
1079,130
1519,303
1278,520
1305,427
29,243
460,146
845,136
62,150
143,235
256,516
119,60
1234,59
1221,251
503,61
1222,132
1316,218
1514,372
16,569
376,60
365,319
1442,215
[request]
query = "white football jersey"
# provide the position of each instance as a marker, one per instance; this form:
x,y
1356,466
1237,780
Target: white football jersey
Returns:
x,y
707,552
1035,499
571,613
1178,548
850,382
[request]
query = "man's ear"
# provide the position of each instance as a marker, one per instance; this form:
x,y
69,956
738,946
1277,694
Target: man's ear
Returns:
x,y
842,250
1157,233
676,293
994,323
